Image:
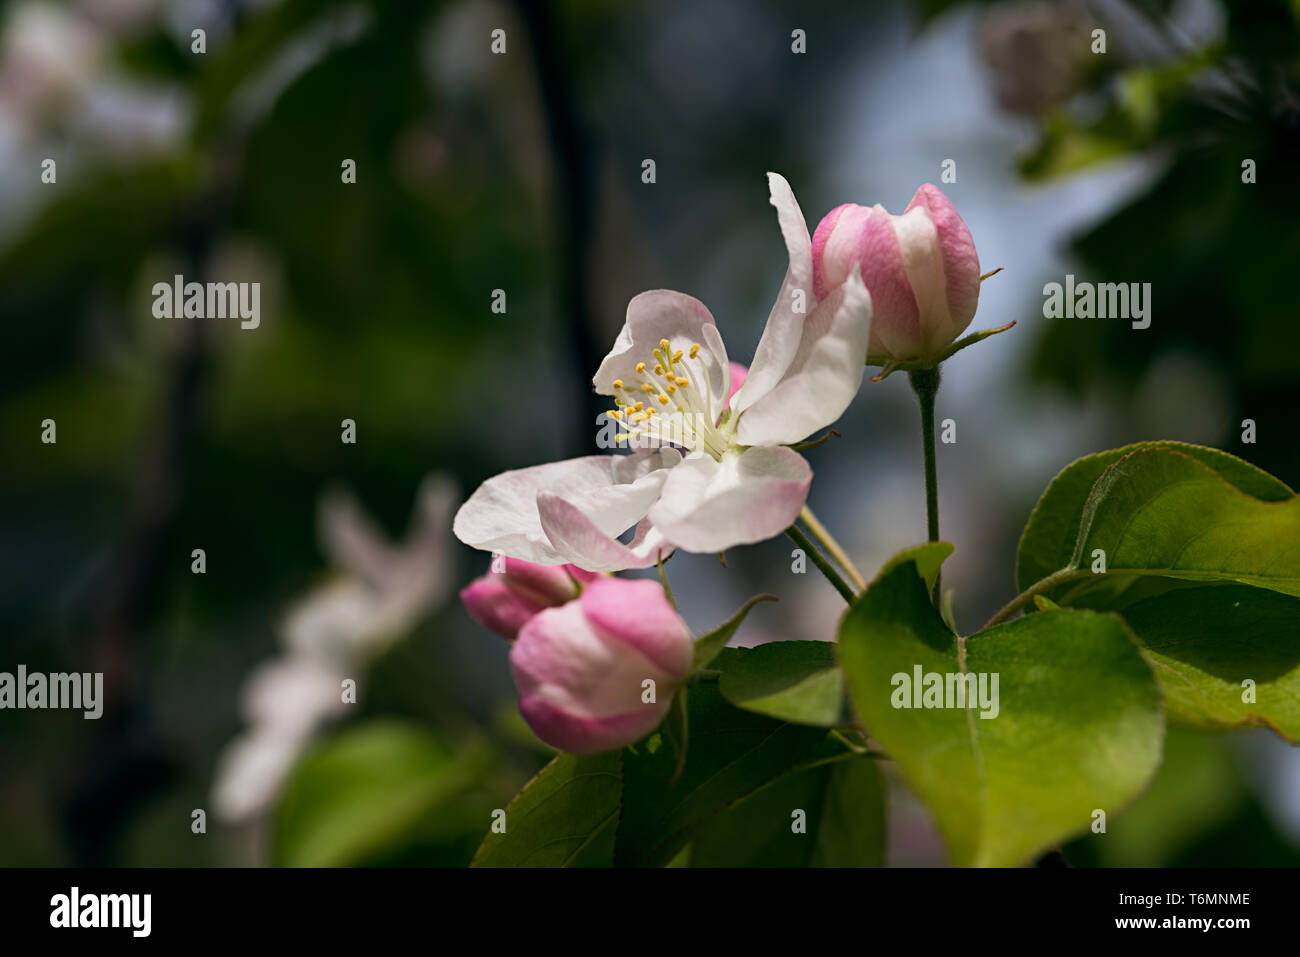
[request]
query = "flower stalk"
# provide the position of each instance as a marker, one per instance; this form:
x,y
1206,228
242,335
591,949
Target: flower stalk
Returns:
x,y
925,383
825,567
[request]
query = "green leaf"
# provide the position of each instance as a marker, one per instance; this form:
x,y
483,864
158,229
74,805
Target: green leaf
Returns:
x,y
732,754
796,681
927,558
708,646
564,817
759,830
1198,789
1078,722
843,822
358,794
1164,513
1052,531
852,832
1205,641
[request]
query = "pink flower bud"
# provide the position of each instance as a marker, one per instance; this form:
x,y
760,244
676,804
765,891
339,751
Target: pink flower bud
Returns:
x,y
921,269
584,669
504,601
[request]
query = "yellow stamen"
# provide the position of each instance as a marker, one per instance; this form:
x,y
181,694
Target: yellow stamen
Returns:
x,y
663,400
677,356
640,367
659,370
695,350
670,389
618,383
682,381
647,387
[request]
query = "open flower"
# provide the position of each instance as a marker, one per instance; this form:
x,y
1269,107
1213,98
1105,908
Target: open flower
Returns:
x,y
712,469
600,671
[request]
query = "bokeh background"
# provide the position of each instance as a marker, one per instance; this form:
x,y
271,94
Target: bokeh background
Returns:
x,y
522,171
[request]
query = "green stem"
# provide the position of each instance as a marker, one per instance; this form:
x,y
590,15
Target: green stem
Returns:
x,y
663,580
1027,596
833,547
925,383
820,561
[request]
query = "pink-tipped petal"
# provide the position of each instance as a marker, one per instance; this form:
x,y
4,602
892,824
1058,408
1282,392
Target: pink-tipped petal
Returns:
x,y
546,584
961,264
494,605
580,734
638,613
586,686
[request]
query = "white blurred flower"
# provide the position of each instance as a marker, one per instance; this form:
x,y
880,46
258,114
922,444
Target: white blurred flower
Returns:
x,y
48,55
330,635
59,82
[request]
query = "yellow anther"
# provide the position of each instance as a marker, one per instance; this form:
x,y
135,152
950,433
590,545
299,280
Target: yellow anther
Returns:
x,y
663,400
650,411
670,388
677,356
618,383
647,387
682,380
616,414
640,417
663,344
659,370
640,367
695,350
638,407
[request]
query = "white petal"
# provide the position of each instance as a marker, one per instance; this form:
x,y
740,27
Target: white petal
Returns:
x,y
750,496
293,695
583,528
781,336
250,772
580,542
824,375
351,539
503,514
651,317
327,625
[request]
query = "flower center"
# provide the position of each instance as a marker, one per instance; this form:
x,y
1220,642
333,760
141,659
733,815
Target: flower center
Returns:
x,y
669,404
